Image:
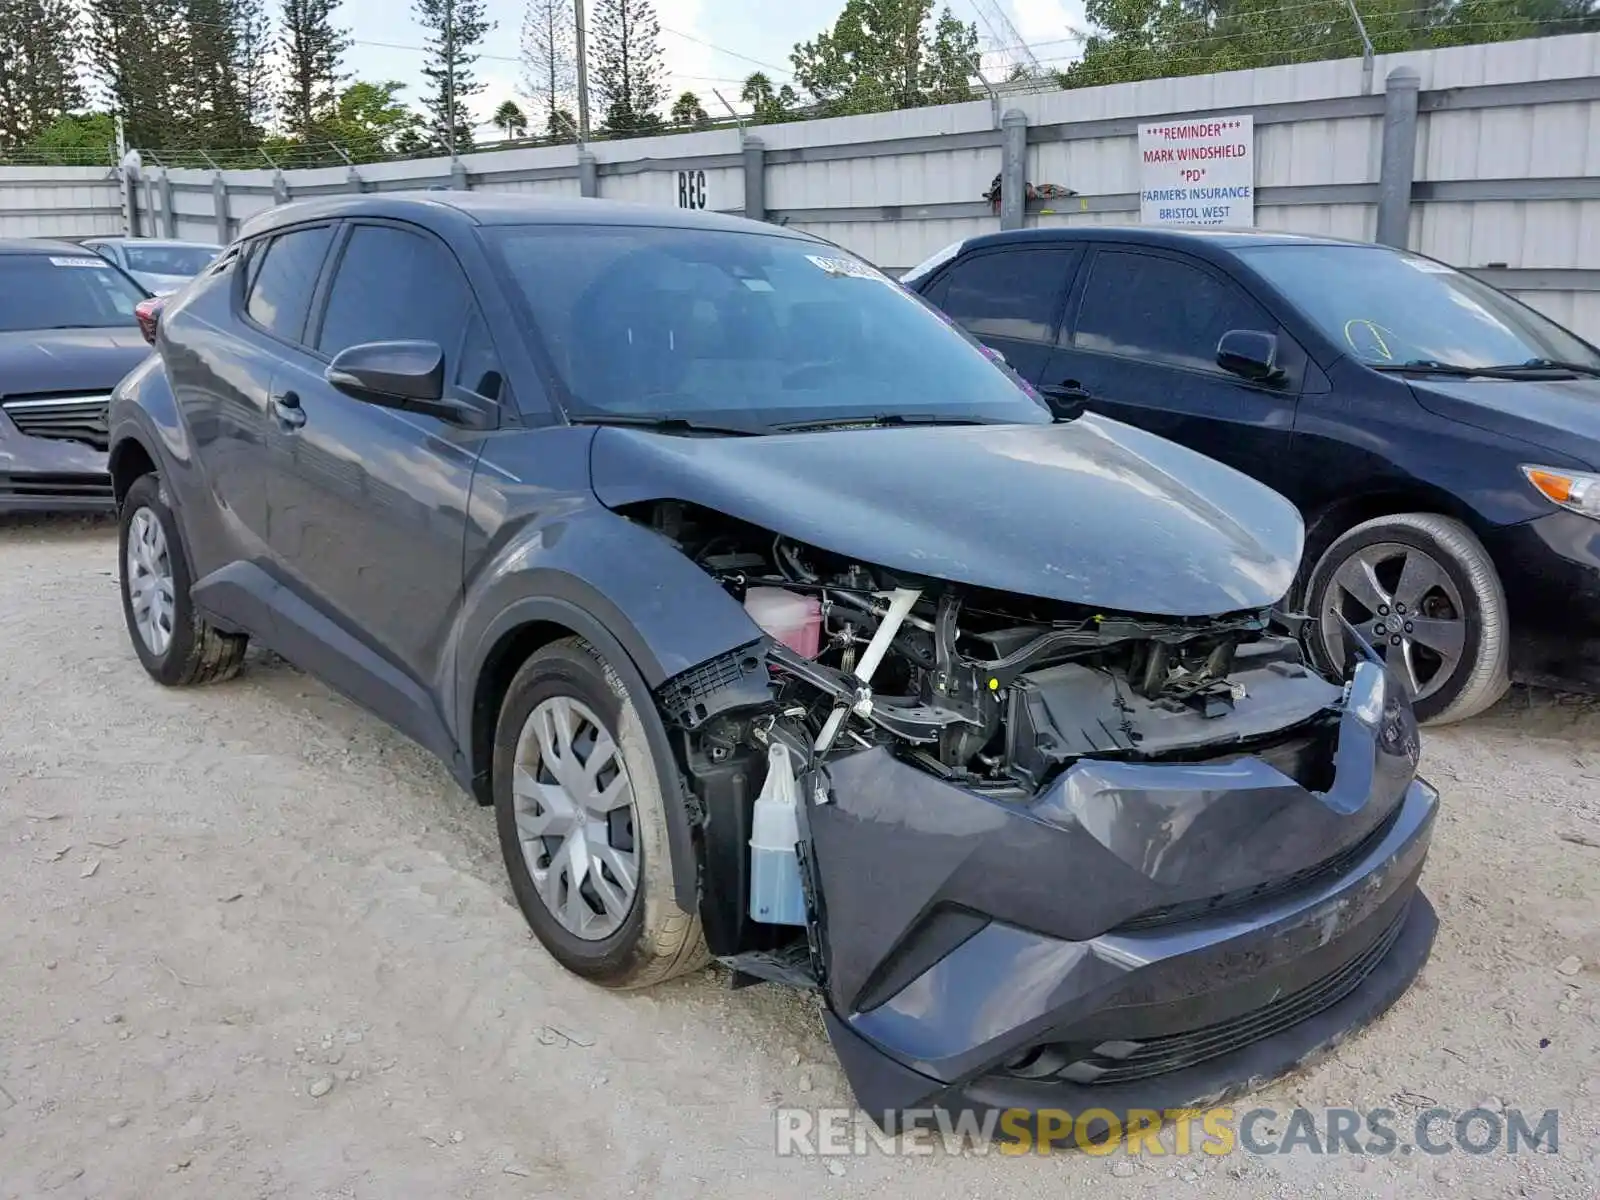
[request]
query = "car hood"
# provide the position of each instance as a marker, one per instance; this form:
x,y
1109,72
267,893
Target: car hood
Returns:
x,y
160,285
1091,512
1560,415
67,360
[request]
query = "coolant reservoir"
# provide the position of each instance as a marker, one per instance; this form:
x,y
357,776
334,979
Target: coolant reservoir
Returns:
x,y
788,617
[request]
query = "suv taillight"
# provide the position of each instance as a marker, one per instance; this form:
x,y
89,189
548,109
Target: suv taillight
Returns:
x,y
149,314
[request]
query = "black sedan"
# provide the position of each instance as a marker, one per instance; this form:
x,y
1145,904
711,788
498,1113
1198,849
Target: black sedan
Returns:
x,y
1441,439
69,330
750,593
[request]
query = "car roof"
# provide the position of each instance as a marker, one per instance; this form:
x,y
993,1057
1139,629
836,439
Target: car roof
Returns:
x,y
39,246
120,240
435,208
1173,237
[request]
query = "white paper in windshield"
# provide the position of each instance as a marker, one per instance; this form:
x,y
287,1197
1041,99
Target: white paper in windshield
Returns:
x,y
77,262
1427,266
845,266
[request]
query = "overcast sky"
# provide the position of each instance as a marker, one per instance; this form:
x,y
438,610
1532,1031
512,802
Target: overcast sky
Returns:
x,y
708,44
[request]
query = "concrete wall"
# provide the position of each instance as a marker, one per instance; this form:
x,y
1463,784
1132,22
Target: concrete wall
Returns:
x,y
1506,171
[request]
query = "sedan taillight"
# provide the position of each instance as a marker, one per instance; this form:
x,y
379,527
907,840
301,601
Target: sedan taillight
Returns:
x,y
149,314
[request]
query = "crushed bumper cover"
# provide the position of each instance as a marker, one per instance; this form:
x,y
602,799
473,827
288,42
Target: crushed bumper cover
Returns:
x,y
1137,935
51,475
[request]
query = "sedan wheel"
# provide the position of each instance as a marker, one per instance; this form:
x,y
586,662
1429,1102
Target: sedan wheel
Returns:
x,y
1420,590
575,818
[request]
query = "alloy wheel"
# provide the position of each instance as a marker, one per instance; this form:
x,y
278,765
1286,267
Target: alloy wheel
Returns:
x,y
1404,604
149,576
576,818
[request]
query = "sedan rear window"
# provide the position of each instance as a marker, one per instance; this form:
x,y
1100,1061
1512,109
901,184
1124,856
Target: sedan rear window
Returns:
x,y
768,329
64,291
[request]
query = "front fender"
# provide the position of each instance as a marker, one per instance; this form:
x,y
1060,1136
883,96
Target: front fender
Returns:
x,y
628,592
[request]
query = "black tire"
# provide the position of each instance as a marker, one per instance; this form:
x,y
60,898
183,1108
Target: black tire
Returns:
x,y
657,940
1480,676
198,652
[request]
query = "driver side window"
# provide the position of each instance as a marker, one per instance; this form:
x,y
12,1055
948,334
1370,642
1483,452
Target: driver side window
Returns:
x,y
395,285
1162,309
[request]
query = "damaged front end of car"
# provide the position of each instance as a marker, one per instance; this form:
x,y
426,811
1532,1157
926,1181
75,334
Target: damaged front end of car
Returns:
x,y
1035,854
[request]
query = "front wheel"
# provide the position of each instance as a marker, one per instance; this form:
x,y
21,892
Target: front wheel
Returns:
x,y
580,808
1421,590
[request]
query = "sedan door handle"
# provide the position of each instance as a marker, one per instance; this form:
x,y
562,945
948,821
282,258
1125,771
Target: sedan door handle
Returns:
x,y
286,408
1070,391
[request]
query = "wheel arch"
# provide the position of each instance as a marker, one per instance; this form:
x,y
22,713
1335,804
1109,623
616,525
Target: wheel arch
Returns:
x,y
130,459
1335,517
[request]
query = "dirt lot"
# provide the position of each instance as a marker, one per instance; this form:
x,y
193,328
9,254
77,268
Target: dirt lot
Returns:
x,y
253,944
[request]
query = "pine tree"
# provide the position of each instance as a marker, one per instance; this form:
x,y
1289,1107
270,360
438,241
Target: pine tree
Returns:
x,y
880,55
549,61
40,42
140,54
312,48
629,76
221,102
455,29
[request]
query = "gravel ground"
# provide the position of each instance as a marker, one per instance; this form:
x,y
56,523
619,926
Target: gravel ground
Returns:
x,y
253,944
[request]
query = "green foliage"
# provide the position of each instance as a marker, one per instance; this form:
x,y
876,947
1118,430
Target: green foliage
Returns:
x,y
73,139
627,68
1150,39
887,54
509,119
769,105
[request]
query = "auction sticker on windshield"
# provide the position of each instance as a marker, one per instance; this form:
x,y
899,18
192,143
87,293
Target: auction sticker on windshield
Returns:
x,y
77,262
846,266
1198,171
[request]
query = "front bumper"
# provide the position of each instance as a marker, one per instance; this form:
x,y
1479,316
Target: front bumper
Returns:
x,y
1550,568
50,475
1140,935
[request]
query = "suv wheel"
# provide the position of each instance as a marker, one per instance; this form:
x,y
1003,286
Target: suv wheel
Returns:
x,y
582,821
176,645
1421,590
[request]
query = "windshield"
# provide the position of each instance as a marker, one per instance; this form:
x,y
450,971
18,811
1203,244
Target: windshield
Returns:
x,y
62,291
1391,308
170,260
750,329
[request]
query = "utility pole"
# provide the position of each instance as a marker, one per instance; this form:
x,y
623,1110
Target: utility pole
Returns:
x,y
450,76
583,72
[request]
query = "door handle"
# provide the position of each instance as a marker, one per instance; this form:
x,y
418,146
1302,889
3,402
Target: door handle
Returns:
x,y
1071,391
286,409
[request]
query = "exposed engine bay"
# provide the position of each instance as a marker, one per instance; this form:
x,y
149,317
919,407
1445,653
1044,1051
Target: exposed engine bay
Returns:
x,y
989,690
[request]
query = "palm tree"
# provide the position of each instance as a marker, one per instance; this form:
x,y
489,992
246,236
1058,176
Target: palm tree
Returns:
x,y
509,118
687,110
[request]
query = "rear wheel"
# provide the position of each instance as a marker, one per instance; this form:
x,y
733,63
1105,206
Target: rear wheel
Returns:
x,y
177,646
581,814
1420,590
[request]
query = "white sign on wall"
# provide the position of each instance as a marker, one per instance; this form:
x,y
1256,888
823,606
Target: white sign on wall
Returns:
x,y
1198,171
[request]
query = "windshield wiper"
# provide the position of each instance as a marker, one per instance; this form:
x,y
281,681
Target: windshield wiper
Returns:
x,y
1533,368
880,420
661,424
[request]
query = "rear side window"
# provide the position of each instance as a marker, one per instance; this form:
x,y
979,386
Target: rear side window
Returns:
x,y
394,285
282,277
1008,293
1146,306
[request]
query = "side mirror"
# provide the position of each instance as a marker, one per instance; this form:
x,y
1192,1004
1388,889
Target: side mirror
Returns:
x,y
408,376
1250,354
390,373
